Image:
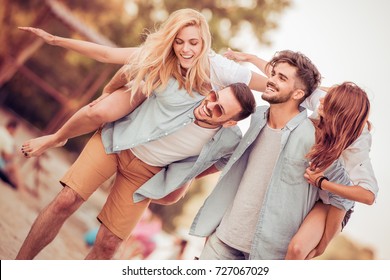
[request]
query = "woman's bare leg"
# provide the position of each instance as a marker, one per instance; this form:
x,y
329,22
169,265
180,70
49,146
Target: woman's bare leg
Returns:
x,y
309,233
85,120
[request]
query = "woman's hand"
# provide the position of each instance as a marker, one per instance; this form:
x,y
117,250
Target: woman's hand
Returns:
x,y
47,37
311,175
236,56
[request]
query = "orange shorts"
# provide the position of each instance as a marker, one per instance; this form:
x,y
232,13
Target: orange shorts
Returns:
x,y
93,167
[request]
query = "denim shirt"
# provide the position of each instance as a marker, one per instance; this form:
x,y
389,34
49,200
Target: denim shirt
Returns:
x,y
288,198
161,114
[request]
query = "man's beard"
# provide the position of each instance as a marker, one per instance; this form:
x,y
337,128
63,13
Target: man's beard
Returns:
x,y
276,99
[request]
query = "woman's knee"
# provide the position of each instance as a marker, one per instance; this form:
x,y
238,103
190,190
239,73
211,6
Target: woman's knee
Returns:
x,y
295,251
98,113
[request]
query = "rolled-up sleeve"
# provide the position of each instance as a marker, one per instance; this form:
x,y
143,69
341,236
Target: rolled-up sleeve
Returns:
x,y
358,163
221,163
337,173
340,202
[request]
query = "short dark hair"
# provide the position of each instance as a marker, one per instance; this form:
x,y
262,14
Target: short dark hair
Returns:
x,y
307,72
246,99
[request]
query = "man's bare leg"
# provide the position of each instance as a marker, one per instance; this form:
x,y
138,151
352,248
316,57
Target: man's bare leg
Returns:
x,y
87,119
105,246
49,222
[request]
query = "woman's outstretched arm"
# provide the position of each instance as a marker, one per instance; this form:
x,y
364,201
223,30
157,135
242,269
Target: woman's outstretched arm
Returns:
x,y
98,52
251,58
258,82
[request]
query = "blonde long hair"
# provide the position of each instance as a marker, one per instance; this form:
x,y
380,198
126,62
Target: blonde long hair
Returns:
x,y
155,62
345,113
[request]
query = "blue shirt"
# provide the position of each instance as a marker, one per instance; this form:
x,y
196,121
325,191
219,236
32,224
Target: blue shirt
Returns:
x,y
288,199
161,114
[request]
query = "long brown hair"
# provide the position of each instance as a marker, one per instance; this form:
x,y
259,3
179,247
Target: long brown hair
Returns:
x,y
345,113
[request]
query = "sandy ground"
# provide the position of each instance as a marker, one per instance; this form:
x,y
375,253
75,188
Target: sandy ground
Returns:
x,y
18,213
19,210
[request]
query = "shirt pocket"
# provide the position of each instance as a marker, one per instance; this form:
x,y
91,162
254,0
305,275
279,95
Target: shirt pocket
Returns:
x,y
293,170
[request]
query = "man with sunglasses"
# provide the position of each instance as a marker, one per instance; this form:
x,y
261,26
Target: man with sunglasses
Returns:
x,y
166,149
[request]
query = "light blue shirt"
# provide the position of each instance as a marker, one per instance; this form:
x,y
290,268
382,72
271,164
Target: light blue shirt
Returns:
x,y
288,199
161,114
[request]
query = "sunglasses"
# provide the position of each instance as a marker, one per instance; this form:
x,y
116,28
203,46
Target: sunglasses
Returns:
x,y
217,109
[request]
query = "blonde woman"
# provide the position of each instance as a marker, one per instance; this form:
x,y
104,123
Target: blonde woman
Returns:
x,y
180,49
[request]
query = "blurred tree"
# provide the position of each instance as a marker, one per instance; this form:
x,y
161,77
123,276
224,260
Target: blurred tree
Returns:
x,y
124,22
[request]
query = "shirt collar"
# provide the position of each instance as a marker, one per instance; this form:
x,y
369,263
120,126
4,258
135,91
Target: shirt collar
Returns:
x,y
294,122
